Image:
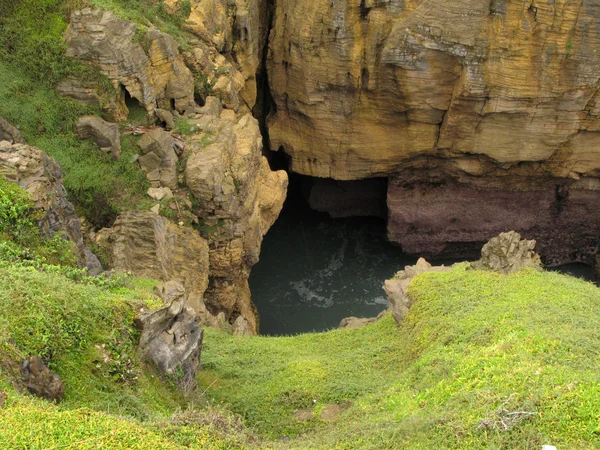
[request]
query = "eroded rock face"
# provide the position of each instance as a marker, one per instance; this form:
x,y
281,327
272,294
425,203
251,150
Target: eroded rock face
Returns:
x,y
497,101
396,288
159,160
172,337
233,36
508,253
361,87
447,218
41,176
239,198
40,381
156,77
149,245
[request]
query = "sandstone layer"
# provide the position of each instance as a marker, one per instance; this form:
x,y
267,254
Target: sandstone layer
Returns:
x,y
479,111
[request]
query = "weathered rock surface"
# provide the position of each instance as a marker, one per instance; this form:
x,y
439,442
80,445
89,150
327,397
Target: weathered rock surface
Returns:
x,y
239,198
156,77
171,336
233,36
396,288
498,102
508,253
40,381
159,160
149,245
10,133
361,87
105,134
447,218
41,177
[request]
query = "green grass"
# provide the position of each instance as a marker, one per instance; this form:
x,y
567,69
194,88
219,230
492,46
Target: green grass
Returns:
x,y
113,400
99,186
37,425
475,347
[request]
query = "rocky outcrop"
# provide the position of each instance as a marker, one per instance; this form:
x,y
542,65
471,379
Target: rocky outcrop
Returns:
x,y
233,35
10,133
40,381
105,134
171,336
156,77
508,253
484,115
41,177
396,288
159,160
149,245
238,199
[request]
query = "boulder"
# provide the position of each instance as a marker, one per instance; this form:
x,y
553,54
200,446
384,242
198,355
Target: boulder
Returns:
x,y
159,160
10,133
508,253
396,288
159,194
165,117
171,336
241,327
41,177
105,134
40,381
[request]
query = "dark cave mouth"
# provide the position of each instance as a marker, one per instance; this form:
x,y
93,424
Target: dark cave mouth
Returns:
x,y
327,255
324,259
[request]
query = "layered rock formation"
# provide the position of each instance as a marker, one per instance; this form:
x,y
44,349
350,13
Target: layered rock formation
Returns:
x,y
149,245
484,114
232,36
41,177
238,199
171,336
156,77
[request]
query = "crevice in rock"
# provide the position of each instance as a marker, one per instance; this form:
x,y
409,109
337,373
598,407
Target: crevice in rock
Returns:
x,y
264,101
364,10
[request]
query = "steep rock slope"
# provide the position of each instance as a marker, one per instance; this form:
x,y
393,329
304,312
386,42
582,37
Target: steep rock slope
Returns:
x,y
484,114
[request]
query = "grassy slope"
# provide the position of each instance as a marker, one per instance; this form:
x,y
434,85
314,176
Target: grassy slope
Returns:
x,y
475,347
112,399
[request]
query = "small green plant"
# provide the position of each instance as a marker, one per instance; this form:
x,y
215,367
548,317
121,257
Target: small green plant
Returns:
x,y
569,46
183,126
203,87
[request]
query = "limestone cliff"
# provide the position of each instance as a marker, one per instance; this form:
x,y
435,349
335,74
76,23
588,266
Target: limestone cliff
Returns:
x,y
484,113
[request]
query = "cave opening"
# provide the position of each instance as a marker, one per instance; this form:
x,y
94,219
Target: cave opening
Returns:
x,y
315,269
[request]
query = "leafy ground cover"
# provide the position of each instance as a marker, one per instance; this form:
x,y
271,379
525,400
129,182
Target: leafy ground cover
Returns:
x,y
482,361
